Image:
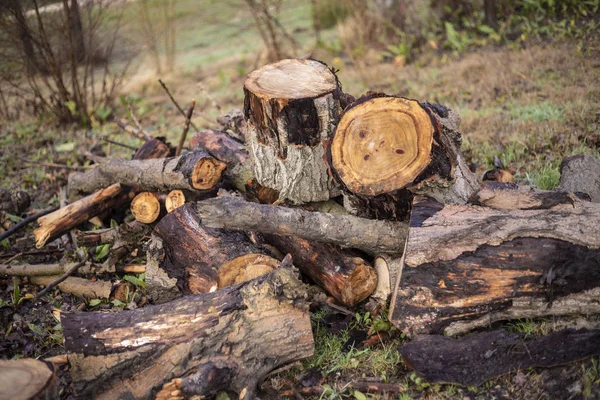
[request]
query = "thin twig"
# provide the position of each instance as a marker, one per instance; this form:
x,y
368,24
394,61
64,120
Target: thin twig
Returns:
x,y
50,165
26,221
131,130
176,104
59,280
119,144
186,128
136,121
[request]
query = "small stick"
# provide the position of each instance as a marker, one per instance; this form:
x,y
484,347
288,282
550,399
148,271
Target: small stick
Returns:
x,y
26,221
186,128
59,280
131,130
136,121
119,143
212,99
176,104
51,165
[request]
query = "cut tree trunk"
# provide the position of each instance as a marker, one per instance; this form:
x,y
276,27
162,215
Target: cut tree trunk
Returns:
x,y
145,207
175,199
153,148
26,379
192,171
343,275
55,224
204,259
226,340
468,266
368,235
384,143
291,110
14,202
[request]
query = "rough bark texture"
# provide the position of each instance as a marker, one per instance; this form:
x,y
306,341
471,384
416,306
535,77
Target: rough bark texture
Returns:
x,y
344,230
153,148
60,221
342,274
390,206
226,340
27,379
192,171
14,202
204,259
482,265
581,174
476,358
291,110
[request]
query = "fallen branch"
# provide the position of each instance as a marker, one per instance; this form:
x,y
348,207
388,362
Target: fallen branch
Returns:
x,y
79,287
68,273
186,127
26,221
176,104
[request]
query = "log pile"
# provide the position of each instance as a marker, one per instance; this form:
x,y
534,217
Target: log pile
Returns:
x,y
366,198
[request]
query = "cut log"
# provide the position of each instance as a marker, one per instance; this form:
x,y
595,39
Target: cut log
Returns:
x,y
55,224
27,379
204,259
175,199
345,276
14,202
384,143
344,230
226,340
128,233
581,173
145,207
468,266
389,206
79,287
476,358
192,171
291,110
153,148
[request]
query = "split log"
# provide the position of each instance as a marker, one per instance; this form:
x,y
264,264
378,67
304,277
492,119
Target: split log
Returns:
x,y
226,340
581,173
478,357
175,199
384,143
26,379
145,207
344,230
468,266
291,109
204,259
14,202
62,220
343,275
192,171
79,287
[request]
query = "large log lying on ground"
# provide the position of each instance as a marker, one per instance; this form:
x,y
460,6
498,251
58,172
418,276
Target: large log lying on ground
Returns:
x,y
27,379
204,259
468,266
476,358
192,171
226,340
291,110
344,230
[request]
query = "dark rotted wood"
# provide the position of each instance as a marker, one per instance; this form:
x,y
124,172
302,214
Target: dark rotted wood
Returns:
x,y
202,259
391,206
128,233
344,230
241,332
27,378
343,274
467,266
14,202
153,148
478,357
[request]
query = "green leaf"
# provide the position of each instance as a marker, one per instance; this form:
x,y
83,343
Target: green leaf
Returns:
x,y
14,218
222,396
102,251
95,302
359,396
65,147
36,329
5,243
135,280
113,223
72,106
117,303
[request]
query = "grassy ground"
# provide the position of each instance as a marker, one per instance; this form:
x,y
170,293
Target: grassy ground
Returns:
x,y
528,106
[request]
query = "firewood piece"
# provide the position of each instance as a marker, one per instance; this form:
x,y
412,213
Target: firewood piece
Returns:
x,y
226,340
581,173
79,287
175,199
291,109
14,202
59,269
153,148
345,276
204,259
128,233
344,230
467,266
389,206
509,196
145,207
192,171
478,357
63,220
26,379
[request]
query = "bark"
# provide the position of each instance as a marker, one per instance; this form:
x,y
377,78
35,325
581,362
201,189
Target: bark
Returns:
x,y
389,206
226,340
60,269
473,359
126,234
27,378
344,230
467,266
291,110
153,148
191,171
343,275
491,17
581,174
76,28
204,259
14,202
62,220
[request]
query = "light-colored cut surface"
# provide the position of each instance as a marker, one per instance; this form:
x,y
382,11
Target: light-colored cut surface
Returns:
x,y
23,379
175,199
145,207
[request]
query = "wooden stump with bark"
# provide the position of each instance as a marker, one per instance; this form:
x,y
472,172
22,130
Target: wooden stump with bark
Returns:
x,y
199,345
291,109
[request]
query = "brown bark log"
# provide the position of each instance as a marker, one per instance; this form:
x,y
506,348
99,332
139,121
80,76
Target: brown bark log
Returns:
x,y
343,230
204,259
581,174
27,378
153,148
389,206
146,207
468,266
192,171
344,275
14,202
226,340
291,110
79,287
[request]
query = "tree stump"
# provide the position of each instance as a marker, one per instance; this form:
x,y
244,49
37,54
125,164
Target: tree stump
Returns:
x,y
292,108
